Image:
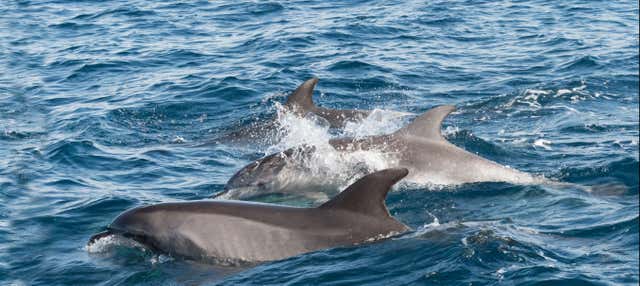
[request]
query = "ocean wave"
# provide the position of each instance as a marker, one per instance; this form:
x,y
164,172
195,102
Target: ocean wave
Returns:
x,y
86,155
623,170
582,63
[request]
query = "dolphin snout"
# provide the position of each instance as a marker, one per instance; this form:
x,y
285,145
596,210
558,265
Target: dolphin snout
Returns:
x,y
129,224
135,224
126,223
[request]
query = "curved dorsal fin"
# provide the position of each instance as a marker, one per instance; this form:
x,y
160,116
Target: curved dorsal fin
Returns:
x,y
428,125
302,97
367,195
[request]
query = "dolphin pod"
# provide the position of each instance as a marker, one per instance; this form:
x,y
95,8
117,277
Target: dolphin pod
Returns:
x,y
255,232
419,147
223,230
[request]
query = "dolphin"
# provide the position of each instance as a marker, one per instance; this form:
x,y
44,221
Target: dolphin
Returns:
x,y
300,103
211,230
419,147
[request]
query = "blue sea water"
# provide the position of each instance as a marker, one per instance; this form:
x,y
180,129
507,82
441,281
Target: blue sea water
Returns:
x,y
107,105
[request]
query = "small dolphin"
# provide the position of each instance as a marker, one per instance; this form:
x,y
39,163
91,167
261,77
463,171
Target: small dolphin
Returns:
x,y
254,232
419,147
300,102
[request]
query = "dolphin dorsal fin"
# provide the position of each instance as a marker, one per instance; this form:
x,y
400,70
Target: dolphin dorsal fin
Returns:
x,y
302,98
367,195
428,125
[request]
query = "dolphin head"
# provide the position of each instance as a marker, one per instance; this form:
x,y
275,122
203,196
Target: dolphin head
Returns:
x,y
263,174
159,227
142,224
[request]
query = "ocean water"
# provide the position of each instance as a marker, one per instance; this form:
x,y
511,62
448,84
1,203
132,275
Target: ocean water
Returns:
x,y
110,105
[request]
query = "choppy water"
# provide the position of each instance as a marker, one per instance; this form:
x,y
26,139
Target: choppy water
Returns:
x,y
106,106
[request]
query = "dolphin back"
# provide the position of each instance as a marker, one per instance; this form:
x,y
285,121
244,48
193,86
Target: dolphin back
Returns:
x,y
301,100
429,124
367,195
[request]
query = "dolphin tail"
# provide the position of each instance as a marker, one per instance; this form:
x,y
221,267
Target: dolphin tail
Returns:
x,y
367,195
301,100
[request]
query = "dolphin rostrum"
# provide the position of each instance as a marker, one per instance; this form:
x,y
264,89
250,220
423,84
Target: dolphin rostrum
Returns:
x,y
419,147
254,232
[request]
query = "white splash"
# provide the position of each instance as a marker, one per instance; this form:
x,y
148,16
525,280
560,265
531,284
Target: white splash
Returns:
x,y
429,227
160,258
452,130
101,245
542,143
339,168
178,140
382,236
294,130
378,122
107,243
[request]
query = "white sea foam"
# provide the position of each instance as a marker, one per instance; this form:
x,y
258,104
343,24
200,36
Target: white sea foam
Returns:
x,y
534,98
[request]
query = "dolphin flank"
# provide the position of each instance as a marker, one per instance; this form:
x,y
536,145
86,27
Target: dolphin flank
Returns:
x,y
254,232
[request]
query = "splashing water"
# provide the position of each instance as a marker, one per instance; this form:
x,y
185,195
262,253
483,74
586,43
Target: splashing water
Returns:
x,y
325,167
378,122
319,166
107,244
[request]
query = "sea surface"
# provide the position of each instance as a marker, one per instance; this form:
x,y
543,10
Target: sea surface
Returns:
x,y
108,105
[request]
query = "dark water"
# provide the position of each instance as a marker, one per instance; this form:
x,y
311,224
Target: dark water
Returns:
x,y
107,106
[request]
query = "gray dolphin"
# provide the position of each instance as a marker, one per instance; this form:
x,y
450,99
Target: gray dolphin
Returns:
x,y
419,147
300,102
254,232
